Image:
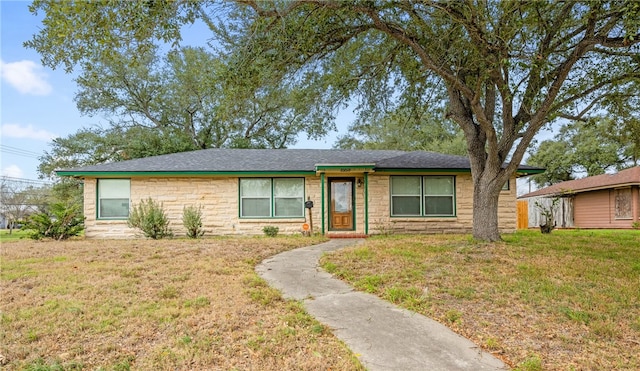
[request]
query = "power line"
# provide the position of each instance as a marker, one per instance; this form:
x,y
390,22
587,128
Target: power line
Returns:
x,y
24,180
18,151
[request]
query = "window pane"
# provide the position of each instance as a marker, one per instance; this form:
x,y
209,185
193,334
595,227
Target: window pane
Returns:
x,y
114,208
438,205
405,185
114,188
113,198
255,187
255,207
289,207
438,185
293,187
405,205
341,196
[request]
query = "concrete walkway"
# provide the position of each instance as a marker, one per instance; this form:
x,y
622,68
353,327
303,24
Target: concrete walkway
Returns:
x,y
383,336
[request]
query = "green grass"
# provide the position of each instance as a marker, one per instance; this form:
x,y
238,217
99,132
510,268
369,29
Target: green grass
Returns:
x,y
15,235
155,305
570,299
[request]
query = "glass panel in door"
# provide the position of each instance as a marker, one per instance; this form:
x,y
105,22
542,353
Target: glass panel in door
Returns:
x,y
341,208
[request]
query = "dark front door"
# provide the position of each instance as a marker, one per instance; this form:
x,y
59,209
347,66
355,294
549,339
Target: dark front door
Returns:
x,y
341,204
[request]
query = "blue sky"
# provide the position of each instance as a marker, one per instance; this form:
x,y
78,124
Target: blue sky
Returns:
x,y
37,103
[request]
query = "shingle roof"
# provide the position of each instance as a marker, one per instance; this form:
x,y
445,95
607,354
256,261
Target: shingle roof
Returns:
x,y
622,178
277,160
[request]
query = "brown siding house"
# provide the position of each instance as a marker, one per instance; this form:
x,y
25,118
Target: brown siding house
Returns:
x,y
601,201
354,192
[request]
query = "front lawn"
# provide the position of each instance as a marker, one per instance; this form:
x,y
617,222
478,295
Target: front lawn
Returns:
x,y
565,301
155,305
16,234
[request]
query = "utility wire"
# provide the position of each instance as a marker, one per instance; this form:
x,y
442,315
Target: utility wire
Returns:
x,y
24,180
19,151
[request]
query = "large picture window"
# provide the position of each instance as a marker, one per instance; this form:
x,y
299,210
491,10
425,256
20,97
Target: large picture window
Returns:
x,y
113,198
422,196
271,197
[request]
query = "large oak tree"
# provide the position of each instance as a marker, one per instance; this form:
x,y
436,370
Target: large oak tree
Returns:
x,y
508,67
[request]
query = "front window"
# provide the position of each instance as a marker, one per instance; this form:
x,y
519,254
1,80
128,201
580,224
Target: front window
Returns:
x,y
113,198
271,197
422,196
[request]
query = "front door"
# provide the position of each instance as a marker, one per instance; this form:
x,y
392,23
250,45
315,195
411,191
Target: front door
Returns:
x,y
341,204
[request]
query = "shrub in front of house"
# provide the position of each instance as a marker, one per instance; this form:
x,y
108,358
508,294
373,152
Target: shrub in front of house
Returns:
x,y
60,223
271,230
192,221
149,217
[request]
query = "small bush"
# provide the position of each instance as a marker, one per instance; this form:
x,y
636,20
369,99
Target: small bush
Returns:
x,y
60,223
192,221
271,231
150,218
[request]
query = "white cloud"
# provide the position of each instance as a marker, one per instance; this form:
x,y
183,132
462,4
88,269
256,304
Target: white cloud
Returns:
x,y
13,171
26,76
27,132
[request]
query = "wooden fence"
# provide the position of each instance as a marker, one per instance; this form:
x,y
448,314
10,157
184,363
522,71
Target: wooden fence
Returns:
x,y
523,214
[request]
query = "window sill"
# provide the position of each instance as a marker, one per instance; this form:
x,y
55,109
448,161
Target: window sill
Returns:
x,y
271,220
452,218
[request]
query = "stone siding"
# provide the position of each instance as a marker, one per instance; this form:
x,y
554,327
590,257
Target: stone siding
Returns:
x,y
380,220
219,199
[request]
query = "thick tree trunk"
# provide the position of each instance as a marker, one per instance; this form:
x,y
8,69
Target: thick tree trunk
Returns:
x,y
485,212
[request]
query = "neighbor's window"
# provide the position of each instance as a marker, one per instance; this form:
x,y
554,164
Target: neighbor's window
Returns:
x,y
422,196
623,203
271,197
113,198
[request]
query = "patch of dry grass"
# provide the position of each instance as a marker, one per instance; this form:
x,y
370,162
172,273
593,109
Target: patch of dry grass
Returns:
x,y
161,305
565,301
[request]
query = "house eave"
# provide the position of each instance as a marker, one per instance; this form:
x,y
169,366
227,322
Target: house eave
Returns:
x,y
571,192
127,174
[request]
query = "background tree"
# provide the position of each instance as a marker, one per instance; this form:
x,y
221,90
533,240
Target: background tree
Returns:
x,y
586,149
181,104
20,198
508,68
416,128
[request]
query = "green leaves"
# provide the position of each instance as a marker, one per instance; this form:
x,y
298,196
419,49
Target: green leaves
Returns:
x,y
590,148
149,217
59,223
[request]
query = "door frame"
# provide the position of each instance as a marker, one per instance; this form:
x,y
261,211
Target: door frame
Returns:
x,y
352,180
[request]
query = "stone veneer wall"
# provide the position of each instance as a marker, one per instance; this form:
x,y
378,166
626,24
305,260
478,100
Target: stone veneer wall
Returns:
x,y
219,199
217,195
379,210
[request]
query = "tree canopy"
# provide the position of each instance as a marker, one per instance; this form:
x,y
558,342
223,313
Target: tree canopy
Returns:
x,y
507,68
587,148
161,99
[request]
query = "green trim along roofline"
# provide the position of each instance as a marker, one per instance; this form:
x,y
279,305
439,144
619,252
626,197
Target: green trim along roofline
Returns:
x,y
522,172
121,174
127,174
364,167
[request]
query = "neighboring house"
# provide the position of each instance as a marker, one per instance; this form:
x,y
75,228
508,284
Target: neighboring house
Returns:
x,y
354,192
601,201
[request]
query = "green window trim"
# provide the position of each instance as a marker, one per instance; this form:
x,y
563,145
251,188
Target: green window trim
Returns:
x,y
113,199
432,196
271,198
